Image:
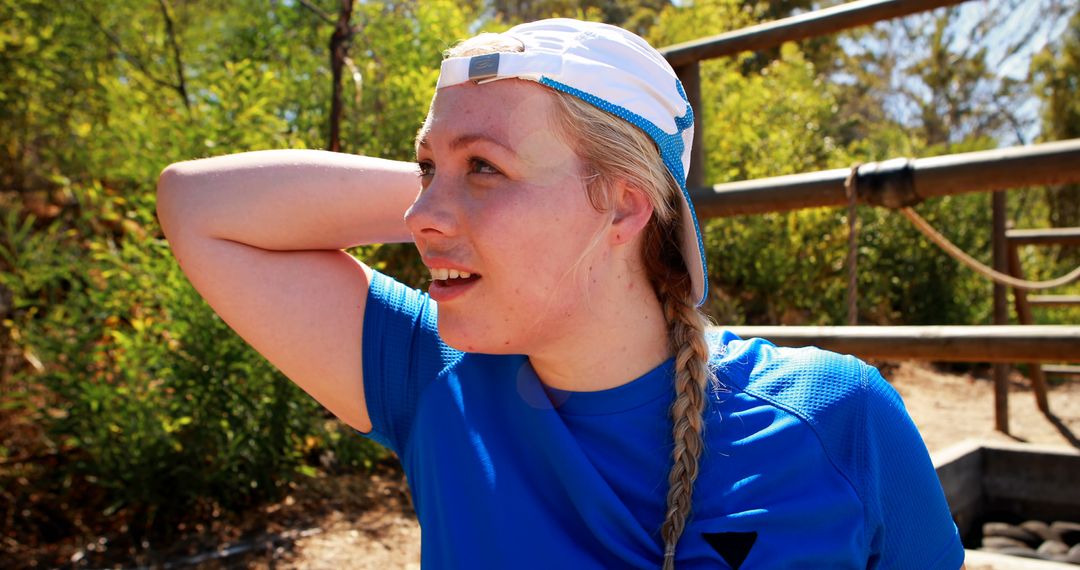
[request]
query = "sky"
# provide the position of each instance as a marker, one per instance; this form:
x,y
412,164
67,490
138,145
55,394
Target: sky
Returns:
x,y
1042,21
999,26
1012,31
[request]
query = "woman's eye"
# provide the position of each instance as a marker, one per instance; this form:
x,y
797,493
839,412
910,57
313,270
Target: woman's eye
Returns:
x,y
425,169
481,166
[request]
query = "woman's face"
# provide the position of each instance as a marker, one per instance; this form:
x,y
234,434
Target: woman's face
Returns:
x,y
504,201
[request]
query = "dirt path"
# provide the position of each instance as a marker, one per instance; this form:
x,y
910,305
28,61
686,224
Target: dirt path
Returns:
x,y
950,408
380,541
947,408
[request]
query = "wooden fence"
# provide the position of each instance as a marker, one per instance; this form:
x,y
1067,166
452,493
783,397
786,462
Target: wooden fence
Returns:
x,y
893,183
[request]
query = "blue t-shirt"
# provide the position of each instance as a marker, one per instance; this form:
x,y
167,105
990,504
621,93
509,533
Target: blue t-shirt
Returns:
x,y
810,459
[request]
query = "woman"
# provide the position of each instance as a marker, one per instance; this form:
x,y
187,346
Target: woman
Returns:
x,y
554,398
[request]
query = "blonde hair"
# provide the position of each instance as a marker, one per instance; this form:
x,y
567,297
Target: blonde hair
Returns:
x,y
614,149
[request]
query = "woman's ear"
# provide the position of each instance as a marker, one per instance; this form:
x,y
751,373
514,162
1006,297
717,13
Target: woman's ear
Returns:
x,y
632,210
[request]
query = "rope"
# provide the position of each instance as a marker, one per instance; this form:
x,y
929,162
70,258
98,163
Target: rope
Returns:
x,y
851,189
996,276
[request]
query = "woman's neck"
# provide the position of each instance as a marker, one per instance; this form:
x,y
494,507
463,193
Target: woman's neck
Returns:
x,y
623,337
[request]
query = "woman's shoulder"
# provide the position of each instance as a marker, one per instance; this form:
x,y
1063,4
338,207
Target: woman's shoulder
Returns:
x,y
828,390
757,364
842,399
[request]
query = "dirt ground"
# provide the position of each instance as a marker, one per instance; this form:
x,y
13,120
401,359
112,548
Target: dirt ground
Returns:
x,y
947,408
950,408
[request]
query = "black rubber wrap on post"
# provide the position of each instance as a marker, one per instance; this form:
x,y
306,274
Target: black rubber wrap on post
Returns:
x,y
890,183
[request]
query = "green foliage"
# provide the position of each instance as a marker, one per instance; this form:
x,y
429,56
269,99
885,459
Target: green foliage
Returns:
x,y
782,267
763,268
1057,78
635,15
785,117
400,65
152,398
1056,74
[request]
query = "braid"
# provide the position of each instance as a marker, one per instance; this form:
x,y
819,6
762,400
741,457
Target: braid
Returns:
x,y
691,377
687,337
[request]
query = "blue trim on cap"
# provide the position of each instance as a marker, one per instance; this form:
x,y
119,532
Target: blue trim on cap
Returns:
x,y
671,150
686,121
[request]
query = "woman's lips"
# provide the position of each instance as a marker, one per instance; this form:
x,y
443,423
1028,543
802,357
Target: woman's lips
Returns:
x,y
443,290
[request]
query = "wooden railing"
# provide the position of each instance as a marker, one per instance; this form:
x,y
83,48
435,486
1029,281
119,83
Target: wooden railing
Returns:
x,y
685,57
1014,239
892,183
897,182
943,343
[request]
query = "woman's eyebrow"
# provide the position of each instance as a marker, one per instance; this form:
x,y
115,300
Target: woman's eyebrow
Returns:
x,y
467,139
472,138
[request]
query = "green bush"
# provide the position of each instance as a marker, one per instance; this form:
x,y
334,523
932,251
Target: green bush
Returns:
x,y
146,405
151,397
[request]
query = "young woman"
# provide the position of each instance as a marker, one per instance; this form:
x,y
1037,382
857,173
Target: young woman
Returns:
x,y
554,397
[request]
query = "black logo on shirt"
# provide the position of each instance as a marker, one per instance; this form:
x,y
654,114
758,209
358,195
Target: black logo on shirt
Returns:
x,y
733,547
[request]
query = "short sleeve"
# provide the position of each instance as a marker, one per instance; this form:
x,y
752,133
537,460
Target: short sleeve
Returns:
x,y
402,355
910,524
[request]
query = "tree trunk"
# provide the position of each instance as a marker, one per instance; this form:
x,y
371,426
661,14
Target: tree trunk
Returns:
x,y
339,50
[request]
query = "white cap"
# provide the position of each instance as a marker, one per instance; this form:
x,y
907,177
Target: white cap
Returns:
x,y
616,71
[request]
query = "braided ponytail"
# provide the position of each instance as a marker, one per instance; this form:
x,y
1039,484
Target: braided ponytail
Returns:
x,y
667,272
616,149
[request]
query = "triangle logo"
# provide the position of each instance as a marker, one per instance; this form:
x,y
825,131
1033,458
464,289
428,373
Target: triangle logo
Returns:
x,y
733,547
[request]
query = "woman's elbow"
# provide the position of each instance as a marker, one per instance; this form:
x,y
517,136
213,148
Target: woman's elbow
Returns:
x,y
171,178
172,184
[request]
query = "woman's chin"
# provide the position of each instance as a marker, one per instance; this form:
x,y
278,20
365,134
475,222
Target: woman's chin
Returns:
x,y
461,336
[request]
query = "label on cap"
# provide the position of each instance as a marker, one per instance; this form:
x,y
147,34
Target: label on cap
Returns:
x,y
483,66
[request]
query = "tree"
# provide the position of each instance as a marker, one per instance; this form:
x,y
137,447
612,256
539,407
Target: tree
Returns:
x,y
1056,73
636,15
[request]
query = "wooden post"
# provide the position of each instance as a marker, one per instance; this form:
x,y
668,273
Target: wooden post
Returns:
x,y
1001,312
1023,314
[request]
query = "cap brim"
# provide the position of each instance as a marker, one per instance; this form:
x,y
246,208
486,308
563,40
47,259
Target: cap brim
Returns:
x,y
693,249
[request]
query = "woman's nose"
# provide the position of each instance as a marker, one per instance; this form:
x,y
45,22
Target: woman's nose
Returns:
x,y
433,213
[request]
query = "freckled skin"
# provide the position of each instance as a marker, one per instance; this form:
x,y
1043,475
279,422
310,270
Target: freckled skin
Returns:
x,y
554,271
523,229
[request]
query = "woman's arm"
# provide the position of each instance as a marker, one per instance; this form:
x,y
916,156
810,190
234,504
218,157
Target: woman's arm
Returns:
x,y
287,200
260,236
